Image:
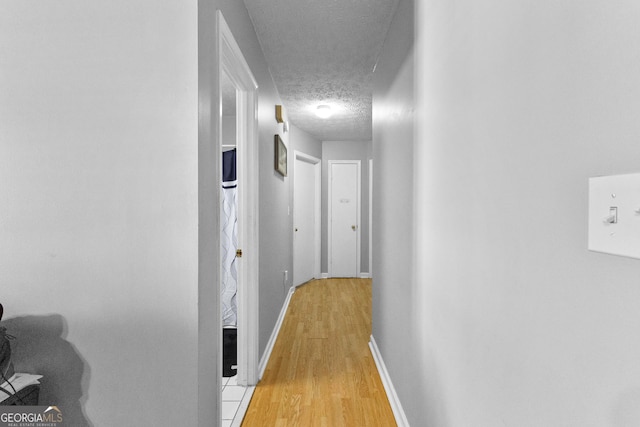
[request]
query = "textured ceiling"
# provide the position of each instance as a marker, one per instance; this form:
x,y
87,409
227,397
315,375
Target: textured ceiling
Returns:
x,y
324,52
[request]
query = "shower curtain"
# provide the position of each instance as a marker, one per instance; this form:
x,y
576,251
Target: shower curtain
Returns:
x,y
229,239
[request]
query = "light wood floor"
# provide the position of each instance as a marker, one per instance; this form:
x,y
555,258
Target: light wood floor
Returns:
x,y
321,372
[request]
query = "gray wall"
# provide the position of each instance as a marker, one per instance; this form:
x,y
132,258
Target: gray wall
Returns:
x,y
347,150
513,321
393,290
228,131
99,212
302,141
99,165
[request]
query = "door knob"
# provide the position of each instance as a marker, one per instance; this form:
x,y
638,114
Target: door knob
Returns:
x,y
296,229
353,227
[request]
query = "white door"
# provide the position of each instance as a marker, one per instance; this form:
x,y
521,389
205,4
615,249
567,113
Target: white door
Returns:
x,y
344,218
306,221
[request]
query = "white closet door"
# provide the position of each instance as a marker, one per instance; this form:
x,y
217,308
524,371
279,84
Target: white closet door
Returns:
x,y
304,218
344,218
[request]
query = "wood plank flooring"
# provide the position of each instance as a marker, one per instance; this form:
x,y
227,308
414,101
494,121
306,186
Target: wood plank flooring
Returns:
x,y
321,372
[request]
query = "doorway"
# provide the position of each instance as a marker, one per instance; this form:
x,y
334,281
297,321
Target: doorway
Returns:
x,y
306,218
235,71
221,63
344,209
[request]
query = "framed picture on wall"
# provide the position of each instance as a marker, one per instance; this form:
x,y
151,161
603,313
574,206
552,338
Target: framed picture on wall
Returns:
x,y
280,156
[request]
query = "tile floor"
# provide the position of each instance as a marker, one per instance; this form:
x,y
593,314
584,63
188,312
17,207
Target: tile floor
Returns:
x,y
235,401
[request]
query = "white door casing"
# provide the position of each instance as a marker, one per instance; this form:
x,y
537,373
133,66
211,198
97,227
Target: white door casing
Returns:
x,y
306,218
344,199
218,53
234,65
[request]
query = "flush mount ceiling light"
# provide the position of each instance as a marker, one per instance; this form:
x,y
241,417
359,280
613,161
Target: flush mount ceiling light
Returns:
x,y
324,111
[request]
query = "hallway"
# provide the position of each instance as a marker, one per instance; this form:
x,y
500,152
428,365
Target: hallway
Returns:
x,y
321,372
485,124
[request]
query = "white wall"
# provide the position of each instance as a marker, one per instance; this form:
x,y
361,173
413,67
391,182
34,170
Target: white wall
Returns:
x,y
98,182
519,325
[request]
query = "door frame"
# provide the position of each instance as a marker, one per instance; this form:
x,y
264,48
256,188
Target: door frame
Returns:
x,y
317,166
218,52
233,64
329,212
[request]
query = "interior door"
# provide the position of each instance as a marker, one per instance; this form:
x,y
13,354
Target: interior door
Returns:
x,y
304,221
344,218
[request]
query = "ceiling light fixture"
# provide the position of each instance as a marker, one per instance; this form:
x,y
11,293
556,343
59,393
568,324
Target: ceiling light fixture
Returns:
x,y
324,111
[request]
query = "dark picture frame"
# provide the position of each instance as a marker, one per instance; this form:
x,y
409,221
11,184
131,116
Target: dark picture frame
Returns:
x,y
280,156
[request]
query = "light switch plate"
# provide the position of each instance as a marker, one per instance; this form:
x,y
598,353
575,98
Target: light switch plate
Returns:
x,y
619,195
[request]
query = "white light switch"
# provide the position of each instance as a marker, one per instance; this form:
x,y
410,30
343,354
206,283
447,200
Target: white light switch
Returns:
x,y
614,215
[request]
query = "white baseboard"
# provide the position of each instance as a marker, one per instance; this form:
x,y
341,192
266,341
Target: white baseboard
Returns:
x,y
396,407
274,335
361,276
